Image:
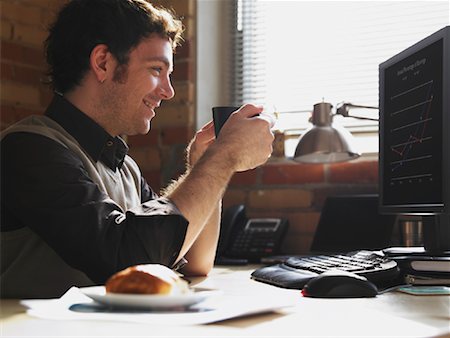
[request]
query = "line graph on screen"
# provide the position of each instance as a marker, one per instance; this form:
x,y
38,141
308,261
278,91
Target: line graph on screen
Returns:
x,y
412,138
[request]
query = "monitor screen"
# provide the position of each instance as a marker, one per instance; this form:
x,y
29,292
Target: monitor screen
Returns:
x,y
414,130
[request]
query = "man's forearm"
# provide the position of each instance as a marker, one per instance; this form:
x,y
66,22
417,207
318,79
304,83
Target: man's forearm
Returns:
x,y
202,253
199,192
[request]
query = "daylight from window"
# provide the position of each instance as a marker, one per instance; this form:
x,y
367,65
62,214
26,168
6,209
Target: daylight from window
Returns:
x,y
306,52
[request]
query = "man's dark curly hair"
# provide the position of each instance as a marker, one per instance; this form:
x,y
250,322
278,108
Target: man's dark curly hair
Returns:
x,y
119,24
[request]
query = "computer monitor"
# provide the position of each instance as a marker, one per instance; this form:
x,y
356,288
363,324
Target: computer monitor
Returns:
x,y
414,135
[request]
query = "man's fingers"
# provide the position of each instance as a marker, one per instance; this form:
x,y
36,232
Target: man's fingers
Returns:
x,y
207,126
268,118
250,110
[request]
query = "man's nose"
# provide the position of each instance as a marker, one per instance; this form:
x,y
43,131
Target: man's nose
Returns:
x,y
167,90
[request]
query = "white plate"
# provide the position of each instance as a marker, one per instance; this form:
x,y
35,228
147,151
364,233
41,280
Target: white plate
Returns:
x,y
143,301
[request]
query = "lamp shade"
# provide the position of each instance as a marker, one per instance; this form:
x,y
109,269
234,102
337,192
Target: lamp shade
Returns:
x,y
324,143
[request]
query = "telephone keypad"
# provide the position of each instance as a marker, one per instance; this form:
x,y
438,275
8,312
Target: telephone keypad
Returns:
x,y
260,242
254,239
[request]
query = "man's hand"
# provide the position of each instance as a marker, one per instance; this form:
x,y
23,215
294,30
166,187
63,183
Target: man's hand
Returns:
x,y
244,142
198,145
246,139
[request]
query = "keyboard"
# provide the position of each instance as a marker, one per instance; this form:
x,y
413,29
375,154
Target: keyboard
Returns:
x,y
295,272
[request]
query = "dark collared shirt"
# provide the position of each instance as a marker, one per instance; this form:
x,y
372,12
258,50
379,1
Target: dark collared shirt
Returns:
x,y
45,187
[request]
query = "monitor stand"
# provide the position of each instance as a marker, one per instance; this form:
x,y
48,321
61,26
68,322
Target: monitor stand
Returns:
x,y
436,239
436,233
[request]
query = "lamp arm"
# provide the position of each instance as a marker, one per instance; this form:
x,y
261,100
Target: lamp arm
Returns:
x,y
344,109
360,117
351,105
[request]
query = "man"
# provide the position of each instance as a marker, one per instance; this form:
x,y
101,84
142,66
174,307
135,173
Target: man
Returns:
x,y
75,208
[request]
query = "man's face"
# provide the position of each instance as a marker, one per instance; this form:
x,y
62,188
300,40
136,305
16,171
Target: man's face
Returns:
x,y
138,88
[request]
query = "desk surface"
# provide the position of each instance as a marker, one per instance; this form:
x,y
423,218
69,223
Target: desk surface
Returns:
x,y
391,314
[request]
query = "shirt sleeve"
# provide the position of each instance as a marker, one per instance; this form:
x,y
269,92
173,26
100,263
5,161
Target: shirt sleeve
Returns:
x,y
147,192
46,188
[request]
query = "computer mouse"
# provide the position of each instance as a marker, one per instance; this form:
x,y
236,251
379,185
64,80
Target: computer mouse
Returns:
x,y
339,284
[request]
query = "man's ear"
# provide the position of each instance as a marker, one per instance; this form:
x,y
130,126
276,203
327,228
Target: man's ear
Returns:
x,y
100,62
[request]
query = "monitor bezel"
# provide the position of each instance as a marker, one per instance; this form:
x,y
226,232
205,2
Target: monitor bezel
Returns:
x,y
420,208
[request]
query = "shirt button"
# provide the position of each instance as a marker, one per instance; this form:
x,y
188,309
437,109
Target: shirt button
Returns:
x,y
109,143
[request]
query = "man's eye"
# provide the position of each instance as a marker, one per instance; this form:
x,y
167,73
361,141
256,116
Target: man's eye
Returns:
x,y
157,70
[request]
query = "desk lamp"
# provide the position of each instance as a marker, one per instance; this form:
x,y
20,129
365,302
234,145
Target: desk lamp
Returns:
x,y
324,142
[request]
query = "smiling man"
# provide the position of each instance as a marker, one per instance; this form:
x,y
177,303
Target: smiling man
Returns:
x,y
74,206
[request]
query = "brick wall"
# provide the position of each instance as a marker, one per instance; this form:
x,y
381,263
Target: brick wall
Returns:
x,y
23,29
279,188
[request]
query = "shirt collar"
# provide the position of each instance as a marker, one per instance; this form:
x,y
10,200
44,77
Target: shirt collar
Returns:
x,y
92,137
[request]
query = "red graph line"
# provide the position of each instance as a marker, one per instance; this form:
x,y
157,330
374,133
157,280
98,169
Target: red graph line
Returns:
x,y
412,139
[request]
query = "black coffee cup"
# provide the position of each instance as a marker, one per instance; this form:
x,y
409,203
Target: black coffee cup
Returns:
x,y
220,115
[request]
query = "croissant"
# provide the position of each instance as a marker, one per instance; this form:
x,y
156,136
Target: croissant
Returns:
x,y
147,279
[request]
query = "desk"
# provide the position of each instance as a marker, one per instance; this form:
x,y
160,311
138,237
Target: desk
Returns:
x,y
392,314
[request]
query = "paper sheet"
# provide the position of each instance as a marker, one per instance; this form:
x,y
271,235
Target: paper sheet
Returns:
x,y
74,305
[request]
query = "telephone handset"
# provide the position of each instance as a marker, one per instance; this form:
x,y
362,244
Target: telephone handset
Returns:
x,y
244,240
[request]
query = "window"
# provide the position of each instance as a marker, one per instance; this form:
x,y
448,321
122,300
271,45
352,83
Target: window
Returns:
x,y
290,55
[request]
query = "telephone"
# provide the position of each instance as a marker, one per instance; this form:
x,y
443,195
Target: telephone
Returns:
x,y
244,240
